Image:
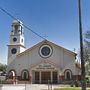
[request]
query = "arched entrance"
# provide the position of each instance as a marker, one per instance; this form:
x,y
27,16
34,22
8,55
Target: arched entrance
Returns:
x,y
12,75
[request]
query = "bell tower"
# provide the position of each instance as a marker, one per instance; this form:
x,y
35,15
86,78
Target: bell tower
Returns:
x,y
16,45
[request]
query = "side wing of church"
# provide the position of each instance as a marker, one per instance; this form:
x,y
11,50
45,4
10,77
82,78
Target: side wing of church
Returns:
x,y
40,63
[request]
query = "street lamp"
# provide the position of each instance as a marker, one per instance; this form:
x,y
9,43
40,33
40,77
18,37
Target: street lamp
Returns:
x,y
81,48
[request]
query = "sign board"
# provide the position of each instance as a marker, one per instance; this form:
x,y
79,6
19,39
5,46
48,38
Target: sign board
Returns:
x,y
45,66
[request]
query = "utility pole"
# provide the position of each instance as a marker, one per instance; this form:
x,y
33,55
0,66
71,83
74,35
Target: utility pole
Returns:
x,y
81,48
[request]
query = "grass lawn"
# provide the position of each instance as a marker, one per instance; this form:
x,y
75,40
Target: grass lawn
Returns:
x,y
69,89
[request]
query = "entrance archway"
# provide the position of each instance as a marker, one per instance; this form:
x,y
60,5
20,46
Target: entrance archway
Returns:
x,y
11,74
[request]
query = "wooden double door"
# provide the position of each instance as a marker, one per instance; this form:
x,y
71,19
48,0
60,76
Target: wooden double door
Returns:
x,y
45,76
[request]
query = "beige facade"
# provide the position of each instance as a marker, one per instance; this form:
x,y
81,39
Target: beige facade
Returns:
x,y
42,62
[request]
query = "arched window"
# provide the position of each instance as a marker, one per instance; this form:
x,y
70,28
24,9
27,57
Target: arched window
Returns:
x,y
68,74
25,75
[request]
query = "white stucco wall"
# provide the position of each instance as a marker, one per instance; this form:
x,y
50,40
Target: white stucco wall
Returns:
x,y
60,56
69,61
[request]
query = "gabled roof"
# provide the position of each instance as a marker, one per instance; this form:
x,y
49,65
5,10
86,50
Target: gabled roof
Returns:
x,y
46,42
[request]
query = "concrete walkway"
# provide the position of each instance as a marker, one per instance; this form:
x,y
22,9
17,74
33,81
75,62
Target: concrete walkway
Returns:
x,y
30,87
11,87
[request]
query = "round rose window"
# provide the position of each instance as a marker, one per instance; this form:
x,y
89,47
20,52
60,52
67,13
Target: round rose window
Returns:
x,y
45,51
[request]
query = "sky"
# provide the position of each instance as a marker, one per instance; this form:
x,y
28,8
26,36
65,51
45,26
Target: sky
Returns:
x,y
55,20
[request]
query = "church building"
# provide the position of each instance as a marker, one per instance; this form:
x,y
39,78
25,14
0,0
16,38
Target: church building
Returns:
x,y
40,63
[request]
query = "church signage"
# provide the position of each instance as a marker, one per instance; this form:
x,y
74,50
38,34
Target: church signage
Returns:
x,y
45,66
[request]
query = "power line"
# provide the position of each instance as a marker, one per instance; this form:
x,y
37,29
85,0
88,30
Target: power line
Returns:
x,y
8,13
33,31
23,24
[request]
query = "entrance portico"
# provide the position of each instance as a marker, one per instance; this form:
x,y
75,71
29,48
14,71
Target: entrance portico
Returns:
x,y
44,72
44,76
